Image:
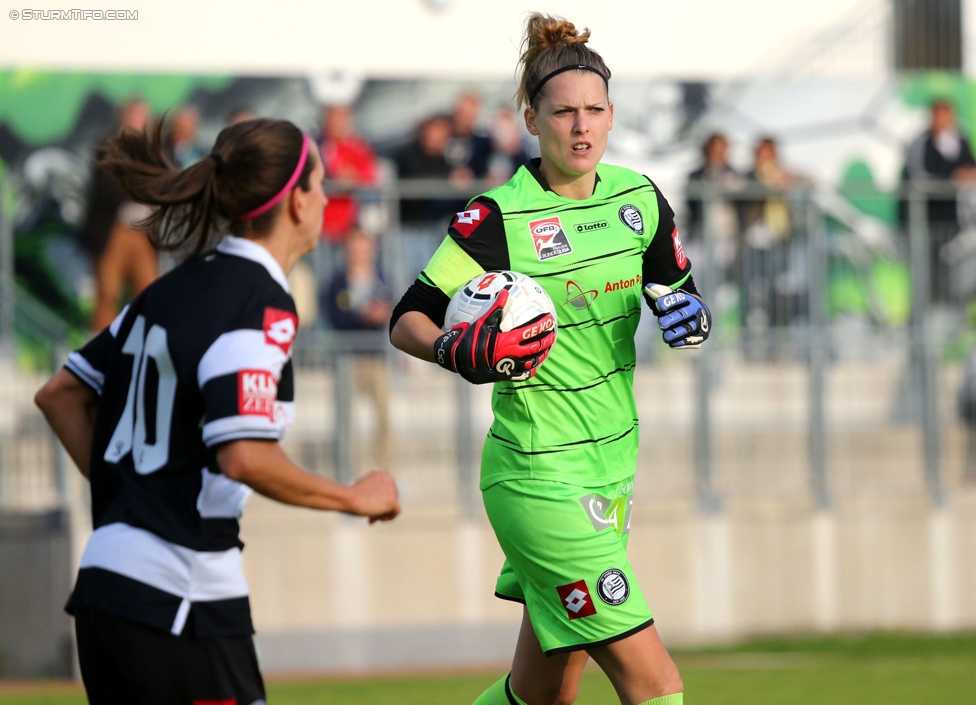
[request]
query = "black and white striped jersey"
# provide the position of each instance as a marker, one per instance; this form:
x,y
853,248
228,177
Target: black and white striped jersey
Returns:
x,y
201,357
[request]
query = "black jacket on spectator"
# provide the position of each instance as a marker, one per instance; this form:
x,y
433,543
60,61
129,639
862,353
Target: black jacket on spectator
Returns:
x,y
694,202
925,162
105,197
413,163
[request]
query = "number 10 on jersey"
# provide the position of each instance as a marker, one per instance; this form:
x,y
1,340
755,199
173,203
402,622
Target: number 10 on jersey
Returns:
x,y
131,431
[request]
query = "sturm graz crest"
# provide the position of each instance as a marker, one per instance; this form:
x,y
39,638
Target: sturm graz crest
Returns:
x,y
612,587
632,218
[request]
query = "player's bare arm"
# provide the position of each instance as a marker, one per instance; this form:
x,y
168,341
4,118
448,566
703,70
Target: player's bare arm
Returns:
x,y
69,406
415,334
264,467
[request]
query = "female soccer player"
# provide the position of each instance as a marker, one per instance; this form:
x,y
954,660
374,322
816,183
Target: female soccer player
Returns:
x,y
559,461
175,411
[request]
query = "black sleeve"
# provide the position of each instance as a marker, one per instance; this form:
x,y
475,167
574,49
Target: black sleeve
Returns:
x,y
91,363
480,232
664,259
429,300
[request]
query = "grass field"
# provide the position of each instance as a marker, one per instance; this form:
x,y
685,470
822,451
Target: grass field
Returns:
x,y
889,669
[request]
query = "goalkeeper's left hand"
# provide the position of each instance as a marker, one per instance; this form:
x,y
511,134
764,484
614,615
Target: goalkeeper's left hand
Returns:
x,y
683,317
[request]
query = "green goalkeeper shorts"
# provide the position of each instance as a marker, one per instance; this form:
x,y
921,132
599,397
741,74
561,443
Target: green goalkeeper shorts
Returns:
x,y
566,559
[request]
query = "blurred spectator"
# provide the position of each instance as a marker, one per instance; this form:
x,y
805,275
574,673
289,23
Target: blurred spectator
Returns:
x,y
769,219
181,146
424,158
468,151
122,257
239,114
303,288
725,215
508,151
357,299
347,158
940,154
774,275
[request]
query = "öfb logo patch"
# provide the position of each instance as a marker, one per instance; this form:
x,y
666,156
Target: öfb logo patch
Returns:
x,y
549,238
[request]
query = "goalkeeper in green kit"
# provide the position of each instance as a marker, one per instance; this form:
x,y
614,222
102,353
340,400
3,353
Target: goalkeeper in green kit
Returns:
x,y
559,461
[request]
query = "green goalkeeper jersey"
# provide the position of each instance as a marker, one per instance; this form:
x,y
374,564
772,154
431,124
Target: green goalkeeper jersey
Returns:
x,y
576,419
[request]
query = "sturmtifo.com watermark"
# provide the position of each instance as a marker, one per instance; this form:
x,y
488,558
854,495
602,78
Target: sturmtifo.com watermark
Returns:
x,y
70,15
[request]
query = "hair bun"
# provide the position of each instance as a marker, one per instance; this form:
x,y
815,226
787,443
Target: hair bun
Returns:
x,y
552,43
544,32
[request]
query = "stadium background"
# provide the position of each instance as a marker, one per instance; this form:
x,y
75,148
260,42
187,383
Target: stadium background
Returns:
x,y
818,485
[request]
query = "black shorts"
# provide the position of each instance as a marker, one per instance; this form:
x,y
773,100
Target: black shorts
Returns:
x,y
124,663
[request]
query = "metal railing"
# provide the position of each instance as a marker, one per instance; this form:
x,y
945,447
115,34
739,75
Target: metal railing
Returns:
x,y
922,339
790,398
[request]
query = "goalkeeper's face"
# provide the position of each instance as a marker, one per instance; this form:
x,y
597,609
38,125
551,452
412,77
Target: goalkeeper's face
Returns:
x,y
572,119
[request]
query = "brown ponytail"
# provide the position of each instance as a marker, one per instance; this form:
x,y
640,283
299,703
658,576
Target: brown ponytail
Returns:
x,y
552,43
249,164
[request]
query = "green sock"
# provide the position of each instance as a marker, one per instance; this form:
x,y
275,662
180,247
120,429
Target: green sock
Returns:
x,y
673,699
501,694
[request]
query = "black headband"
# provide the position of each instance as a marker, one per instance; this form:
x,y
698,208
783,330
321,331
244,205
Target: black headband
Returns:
x,y
219,161
572,67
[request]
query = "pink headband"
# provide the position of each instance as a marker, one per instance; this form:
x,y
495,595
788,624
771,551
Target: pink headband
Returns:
x,y
250,215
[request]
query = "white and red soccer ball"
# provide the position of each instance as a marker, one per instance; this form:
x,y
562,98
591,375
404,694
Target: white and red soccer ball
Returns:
x,y
526,300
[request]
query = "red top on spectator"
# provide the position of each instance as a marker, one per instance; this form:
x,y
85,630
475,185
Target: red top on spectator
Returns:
x,y
346,157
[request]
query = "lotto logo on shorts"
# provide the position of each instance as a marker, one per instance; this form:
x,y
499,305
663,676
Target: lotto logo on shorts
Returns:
x,y
280,328
576,599
257,393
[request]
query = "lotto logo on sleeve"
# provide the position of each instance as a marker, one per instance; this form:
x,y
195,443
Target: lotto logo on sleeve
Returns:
x,y
280,328
679,251
257,393
549,238
576,599
466,222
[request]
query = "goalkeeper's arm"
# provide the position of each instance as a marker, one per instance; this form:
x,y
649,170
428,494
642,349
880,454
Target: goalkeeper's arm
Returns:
x,y
417,318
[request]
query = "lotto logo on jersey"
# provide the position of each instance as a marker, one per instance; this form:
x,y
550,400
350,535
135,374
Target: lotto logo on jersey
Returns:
x,y
679,251
257,393
576,599
466,222
549,238
280,328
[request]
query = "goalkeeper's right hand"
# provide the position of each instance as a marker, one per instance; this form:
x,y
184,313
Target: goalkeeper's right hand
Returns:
x,y
682,316
481,352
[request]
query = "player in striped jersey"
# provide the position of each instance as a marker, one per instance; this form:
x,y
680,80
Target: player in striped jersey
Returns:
x,y
559,461
175,413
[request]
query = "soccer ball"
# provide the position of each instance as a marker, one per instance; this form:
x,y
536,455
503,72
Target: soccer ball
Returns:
x,y
526,300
